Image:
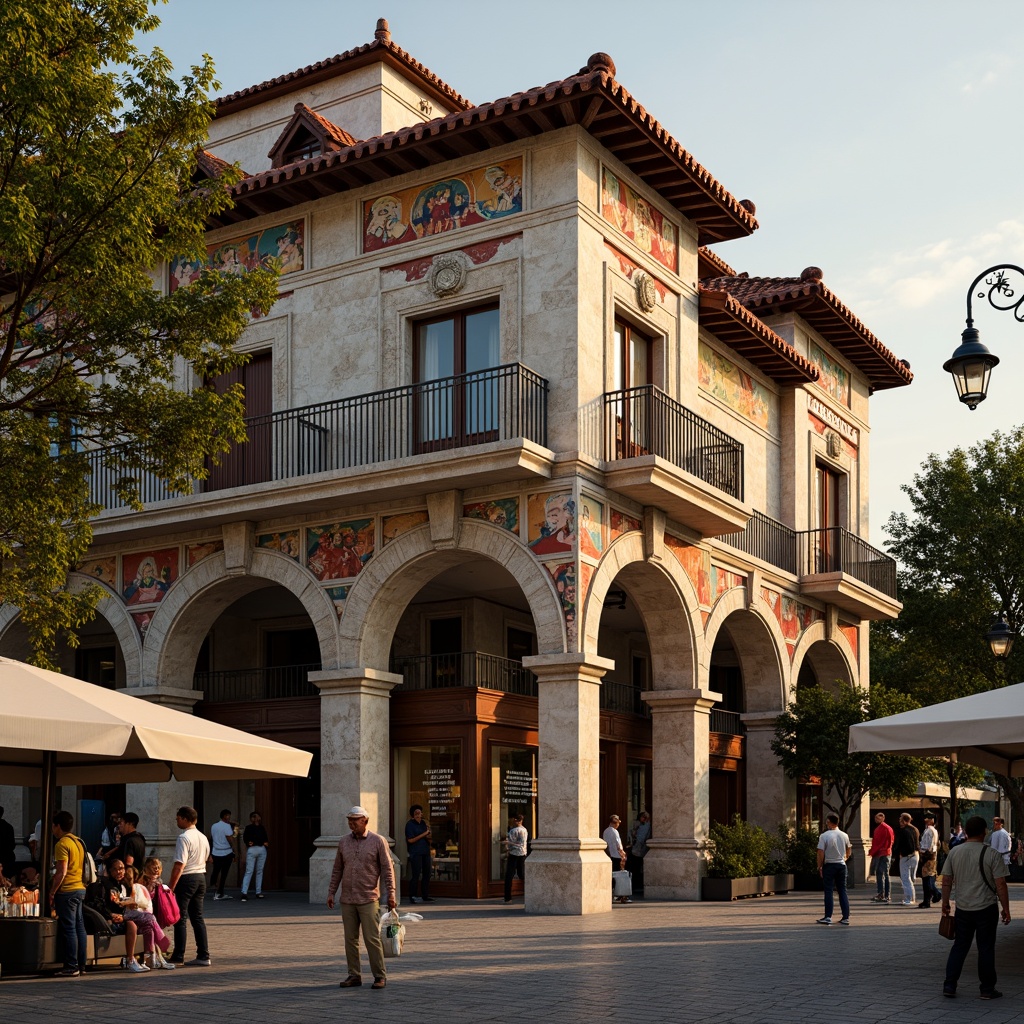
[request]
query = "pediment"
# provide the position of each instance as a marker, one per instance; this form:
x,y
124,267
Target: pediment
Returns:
x,y
307,135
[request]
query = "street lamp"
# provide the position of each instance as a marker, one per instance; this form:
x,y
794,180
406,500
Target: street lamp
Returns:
x,y
1000,637
971,364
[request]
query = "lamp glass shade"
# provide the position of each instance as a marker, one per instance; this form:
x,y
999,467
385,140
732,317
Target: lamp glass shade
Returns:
x,y
1000,638
971,366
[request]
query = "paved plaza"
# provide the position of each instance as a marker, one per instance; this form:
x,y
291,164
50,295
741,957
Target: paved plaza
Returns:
x,y
761,960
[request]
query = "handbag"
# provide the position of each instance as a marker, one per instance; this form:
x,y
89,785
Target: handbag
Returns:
x,y
947,926
165,907
392,934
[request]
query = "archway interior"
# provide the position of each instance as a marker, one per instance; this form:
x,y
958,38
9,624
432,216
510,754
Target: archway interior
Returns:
x,y
824,666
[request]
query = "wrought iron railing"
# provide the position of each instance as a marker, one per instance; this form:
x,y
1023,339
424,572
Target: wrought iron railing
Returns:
x,y
726,722
256,683
767,539
833,549
466,668
623,697
646,421
498,404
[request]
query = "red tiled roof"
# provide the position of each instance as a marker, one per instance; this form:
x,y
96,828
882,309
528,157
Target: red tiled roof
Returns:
x,y
729,321
592,99
331,130
710,264
209,165
382,48
331,137
819,306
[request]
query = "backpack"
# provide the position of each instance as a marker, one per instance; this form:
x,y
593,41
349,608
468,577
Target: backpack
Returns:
x,y
89,874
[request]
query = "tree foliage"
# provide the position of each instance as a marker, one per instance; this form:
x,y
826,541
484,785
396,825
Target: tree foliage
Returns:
x,y
811,740
98,147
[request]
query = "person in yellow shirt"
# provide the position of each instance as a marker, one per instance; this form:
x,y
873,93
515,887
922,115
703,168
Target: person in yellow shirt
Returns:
x,y
67,893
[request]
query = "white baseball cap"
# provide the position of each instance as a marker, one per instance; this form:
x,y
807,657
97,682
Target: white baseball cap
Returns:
x,y
357,812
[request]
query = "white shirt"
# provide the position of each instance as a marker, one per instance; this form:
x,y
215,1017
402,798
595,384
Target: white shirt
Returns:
x,y
192,851
930,839
221,832
614,840
1000,842
834,842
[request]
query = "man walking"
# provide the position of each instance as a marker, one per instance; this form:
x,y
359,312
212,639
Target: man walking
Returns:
x,y
516,845
417,839
222,835
979,874
834,851
67,893
908,845
362,862
1000,840
881,857
929,862
188,883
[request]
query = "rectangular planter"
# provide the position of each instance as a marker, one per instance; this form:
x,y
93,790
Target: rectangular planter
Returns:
x,y
738,888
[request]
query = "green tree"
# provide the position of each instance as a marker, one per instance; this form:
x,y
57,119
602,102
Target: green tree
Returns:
x,y
812,736
98,189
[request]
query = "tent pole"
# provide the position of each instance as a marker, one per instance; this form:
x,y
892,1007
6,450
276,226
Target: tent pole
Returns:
x,y
46,839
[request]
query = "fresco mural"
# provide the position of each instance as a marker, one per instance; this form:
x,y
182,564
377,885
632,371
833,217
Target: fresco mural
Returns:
x,y
287,542
620,523
148,575
723,580
551,519
792,616
591,526
142,621
834,379
338,551
852,634
503,512
696,563
197,552
102,570
638,220
736,389
564,575
395,526
283,242
472,197
338,596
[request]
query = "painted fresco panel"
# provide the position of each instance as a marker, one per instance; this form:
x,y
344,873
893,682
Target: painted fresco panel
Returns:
x,y
564,575
197,552
142,621
591,526
639,221
737,389
622,522
395,526
471,197
551,517
287,542
338,551
792,616
102,570
696,563
503,512
338,596
834,379
148,575
723,580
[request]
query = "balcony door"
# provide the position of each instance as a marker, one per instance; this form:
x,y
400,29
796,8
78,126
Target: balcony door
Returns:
x,y
248,463
446,651
457,400
828,516
631,369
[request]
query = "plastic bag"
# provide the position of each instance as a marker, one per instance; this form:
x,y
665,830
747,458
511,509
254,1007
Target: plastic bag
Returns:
x,y
392,933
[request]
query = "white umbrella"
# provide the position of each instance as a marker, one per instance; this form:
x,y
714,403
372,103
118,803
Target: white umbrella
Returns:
x,y
986,729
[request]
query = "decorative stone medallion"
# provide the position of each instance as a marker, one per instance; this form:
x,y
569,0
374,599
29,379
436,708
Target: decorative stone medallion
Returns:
x,y
646,293
448,274
834,443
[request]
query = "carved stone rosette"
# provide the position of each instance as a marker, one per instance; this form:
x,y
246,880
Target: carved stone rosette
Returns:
x,y
646,292
448,274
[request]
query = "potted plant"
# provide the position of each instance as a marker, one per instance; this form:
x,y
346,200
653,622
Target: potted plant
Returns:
x,y
799,846
739,863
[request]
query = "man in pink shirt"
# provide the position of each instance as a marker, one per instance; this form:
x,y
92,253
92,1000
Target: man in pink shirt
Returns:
x,y
881,856
363,860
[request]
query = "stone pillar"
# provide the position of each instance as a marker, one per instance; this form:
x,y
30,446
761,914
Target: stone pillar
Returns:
x,y
355,759
771,796
568,871
676,862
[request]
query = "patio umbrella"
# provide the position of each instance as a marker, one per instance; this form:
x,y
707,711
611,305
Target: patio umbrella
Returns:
x,y
986,729
56,730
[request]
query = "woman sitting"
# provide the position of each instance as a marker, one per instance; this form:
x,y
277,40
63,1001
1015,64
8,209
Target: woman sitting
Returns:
x,y
154,942
110,898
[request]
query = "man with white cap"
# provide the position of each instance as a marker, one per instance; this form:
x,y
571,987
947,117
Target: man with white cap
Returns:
x,y
362,862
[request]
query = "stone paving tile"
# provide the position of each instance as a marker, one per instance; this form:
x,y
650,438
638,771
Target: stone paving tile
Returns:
x,y
752,962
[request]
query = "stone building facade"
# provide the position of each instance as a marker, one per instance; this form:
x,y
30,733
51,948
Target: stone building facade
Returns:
x,y
544,508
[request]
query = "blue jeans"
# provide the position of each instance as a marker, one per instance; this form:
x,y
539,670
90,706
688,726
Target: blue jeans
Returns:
x,y
72,925
419,871
255,860
908,869
189,893
835,875
982,924
882,875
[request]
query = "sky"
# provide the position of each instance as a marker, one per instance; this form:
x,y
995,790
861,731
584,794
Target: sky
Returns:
x,y
880,141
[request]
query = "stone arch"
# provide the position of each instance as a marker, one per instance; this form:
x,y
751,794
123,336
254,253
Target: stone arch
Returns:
x,y
394,576
760,646
120,621
667,603
175,635
832,658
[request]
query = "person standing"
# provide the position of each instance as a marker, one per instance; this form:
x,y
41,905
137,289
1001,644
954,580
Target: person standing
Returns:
x,y
881,857
417,839
929,862
257,843
957,835
638,850
67,893
188,883
131,851
222,836
834,851
979,874
908,845
516,863
1000,840
361,863
7,845
614,848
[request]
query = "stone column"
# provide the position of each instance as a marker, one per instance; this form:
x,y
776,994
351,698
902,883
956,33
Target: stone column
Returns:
x,y
680,722
355,759
771,796
568,871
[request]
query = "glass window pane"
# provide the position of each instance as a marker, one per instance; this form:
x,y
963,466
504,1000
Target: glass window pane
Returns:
x,y
639,355
618,383
483,340
436,350
513,791
432,777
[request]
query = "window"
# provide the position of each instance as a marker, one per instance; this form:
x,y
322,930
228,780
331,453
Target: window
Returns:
x,y
632,357
631,370
432,777
828,516
513,791
457,396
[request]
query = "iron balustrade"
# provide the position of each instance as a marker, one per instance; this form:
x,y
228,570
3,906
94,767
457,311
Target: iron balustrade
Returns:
x,y
466,668
767,539
646,421
256,683
835,549
623,697
498,404
726,722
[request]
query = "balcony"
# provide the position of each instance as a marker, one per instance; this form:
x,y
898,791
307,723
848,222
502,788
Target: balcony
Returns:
x,y
660,453
467,668
249,684
767,539
623,697
456,432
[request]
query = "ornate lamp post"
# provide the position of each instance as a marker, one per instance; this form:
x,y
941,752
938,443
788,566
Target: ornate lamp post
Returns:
x,y
1000,637
971,364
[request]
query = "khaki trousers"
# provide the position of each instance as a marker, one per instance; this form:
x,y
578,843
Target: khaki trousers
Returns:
x,y
366,916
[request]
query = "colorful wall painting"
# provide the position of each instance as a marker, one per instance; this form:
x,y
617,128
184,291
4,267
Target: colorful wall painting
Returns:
x,y
852,634
586,575
792,616
591,526
737,389
564,575
148,575
286,541
503,512
283,242
102,570
620,523
338,551
834,379
471,197
551,520
395,526
197,552
723,580
639,221
338,596
142,621
696,563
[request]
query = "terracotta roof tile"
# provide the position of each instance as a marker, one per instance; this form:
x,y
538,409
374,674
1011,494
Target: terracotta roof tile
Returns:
x,y
209,165
331,130
710,264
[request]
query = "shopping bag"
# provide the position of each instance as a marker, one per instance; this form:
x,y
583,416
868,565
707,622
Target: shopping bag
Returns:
x,y
392,934
622,883
165,907
947,926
